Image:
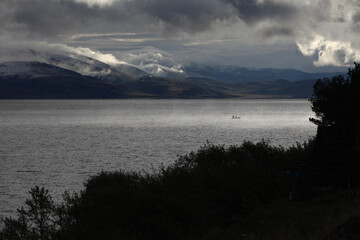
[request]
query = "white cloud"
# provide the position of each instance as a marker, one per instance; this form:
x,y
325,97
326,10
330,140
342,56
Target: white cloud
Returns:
x,y
16,50
154,61
101,3
329,52
96,35
106,58
136,40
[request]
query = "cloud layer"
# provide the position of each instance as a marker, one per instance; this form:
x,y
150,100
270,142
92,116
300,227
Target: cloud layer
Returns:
x,y
325,29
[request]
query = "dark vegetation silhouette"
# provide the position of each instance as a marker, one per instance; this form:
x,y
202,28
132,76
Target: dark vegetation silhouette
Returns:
x,y
200,192
336,103
239,192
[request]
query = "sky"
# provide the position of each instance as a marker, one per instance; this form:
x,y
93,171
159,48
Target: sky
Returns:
x,y
309,35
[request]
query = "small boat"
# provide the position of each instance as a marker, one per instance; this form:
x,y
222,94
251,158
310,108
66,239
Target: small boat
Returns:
x,y
235,117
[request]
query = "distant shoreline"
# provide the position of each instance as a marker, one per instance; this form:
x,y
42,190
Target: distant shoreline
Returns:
x,y
160,98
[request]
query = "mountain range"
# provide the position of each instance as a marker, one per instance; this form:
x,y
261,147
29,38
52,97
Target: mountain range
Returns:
x,y
233,73
81,77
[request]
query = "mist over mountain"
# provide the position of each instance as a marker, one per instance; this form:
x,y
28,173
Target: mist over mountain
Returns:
x,y
89,66
36,80
77,76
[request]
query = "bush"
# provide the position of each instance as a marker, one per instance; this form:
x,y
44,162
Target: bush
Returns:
x,y
201,192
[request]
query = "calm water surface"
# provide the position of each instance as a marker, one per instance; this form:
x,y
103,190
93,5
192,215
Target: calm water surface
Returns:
x,y
60,143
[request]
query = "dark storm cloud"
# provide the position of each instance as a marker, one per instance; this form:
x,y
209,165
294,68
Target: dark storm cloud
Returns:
x,y
5,14
186,15
356,22
340,56
54,17
49,18
324,29
252,11
278,31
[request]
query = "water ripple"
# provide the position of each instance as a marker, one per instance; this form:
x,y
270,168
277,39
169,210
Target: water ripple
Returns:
x,y
59,144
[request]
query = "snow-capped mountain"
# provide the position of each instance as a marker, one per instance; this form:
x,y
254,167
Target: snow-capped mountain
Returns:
x,y
76,76
36,80
91,67
122,72
135,71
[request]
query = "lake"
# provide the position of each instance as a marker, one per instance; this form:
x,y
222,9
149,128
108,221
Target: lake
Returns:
x,y
60,143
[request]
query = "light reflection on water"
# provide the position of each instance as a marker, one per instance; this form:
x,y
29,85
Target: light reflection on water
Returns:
x,y
59,143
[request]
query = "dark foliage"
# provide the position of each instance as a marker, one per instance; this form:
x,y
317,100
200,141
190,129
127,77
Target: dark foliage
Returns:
x,y
336,101
337,149
41,218
35,221
202,191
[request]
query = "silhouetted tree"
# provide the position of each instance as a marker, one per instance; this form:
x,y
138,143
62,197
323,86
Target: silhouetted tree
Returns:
x,y
336,101
35,221
336,104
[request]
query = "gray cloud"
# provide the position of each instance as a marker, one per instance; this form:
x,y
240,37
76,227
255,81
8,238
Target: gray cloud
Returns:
x,y
53,17
49,18
188,25
356,22
189,16
253,11
278,31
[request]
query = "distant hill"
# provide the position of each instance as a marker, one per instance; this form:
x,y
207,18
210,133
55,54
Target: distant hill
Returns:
x,y
260,89
158,87
234,73
35,80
